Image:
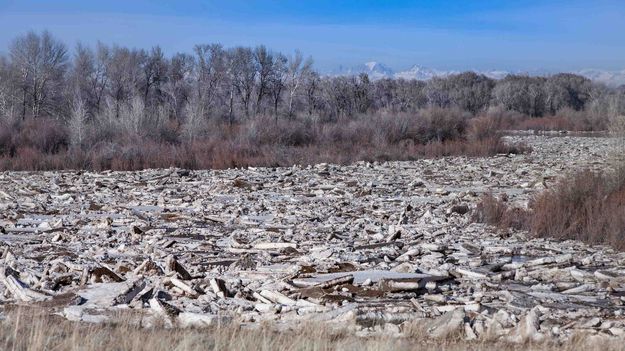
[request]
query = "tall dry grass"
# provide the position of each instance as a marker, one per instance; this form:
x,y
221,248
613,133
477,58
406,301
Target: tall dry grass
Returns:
x,y
31,330
585,206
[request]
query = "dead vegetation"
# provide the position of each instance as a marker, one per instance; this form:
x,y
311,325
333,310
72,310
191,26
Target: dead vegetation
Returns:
x,y
45,144
586,206
496,211
30,330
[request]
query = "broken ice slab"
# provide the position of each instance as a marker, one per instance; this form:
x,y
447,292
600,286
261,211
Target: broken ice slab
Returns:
x,y
313,240
360,277
104,294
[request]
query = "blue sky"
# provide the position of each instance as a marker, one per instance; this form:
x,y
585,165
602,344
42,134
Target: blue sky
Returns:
x,y
462,34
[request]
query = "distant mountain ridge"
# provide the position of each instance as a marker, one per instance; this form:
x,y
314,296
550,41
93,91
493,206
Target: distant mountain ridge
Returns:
x,y
377,70
373,69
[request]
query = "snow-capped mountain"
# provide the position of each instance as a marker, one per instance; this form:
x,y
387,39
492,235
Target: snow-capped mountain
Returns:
x,y
422,73
609,78
374,70
377,70
495,74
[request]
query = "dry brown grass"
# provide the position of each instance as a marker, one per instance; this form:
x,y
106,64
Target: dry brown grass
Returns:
x,y
585,206
230,154
563,120
28,330
573,121
497,212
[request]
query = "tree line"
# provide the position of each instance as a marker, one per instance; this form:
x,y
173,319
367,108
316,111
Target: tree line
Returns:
x,y
109,106
39,77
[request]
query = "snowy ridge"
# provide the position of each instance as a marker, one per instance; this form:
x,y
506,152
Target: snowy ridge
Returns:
x,y
376,70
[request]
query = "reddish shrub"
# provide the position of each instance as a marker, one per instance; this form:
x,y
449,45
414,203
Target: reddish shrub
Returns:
x,y
258,142
45,134
587,206
497,212
7,143
546,123
438,124
566,119
484,127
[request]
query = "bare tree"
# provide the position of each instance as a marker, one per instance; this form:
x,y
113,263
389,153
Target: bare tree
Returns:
x,y
410,95
6,89
437,92
521,93
122,90
297,70
311,88
177,88
383,92
264,62
155,67
41,61
211,75
470,91
243,72
132,116
78,123
567,90
194,113
124,72
89,75
276,81
339,97
363,98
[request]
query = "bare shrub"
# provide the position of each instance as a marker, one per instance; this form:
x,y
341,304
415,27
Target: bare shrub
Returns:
x,y
194,122
7,142
77,124
267,131
551,123
396,128
585,206
169,132
352,132
617,125
483,127
565,119
28,158
439,124
582,120
127,143
132,116
505,118
496,212
45,134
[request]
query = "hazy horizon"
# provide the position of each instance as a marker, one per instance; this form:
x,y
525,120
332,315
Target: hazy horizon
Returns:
x,y
453,35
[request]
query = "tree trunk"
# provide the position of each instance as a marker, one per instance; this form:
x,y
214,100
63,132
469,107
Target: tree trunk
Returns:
x,y
24,104
231,112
